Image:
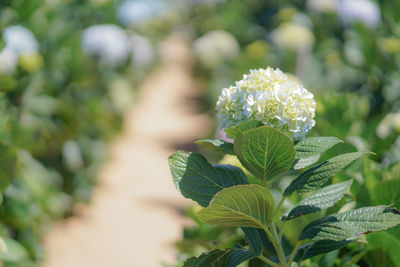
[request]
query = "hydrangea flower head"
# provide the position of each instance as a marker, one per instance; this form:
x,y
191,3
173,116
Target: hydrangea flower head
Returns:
x,y
108,42
271,97
364,11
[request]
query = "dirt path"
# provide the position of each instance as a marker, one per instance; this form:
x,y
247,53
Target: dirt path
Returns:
x,y
133,219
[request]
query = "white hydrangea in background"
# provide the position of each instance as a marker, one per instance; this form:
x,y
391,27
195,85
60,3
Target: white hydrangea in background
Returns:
x,y
292,36
135,12
213,48
72,156
365,11
321,5
389,124
271,97
19,41
108,42
8,61
143,53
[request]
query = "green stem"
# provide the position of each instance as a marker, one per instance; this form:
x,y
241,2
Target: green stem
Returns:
x,y
296,248
264,182
281,230
281,253
268,261
275,243
280,204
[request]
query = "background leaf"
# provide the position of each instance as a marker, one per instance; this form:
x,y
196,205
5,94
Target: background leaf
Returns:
x,y
198,180
314,146
321,199
264,151
319,174
350,225
8,161
386,242
240,205
15,251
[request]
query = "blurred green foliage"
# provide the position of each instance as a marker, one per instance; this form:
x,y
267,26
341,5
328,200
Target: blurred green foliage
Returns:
x,y
58,109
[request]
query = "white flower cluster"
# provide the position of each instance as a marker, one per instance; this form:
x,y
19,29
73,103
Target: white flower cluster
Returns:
x,y
365,11
19,41
321,5
135,12
108,42
292,36
215,47
271,97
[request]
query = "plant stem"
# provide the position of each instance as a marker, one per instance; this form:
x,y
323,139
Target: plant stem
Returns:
x,y
268,261
281,253
280,204
281,230
275,242
296,248
264,182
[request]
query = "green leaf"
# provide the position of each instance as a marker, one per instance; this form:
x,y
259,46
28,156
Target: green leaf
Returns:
x,y
302,163
15,251
198,180
238,256
8,161
240,205
387,192
254,238
386,242
236,130
264,151
321,199
220,258
216,145
315,145
213,258
7,83
351,224
320,247
319,174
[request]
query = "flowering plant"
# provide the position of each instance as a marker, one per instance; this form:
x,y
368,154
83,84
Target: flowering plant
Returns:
x,y
267,115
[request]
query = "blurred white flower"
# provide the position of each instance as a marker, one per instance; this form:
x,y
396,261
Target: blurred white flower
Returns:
x,y
8,61
20,40
302,20
321,5
292,36
389,124
206,1
359,10
213,48
72,156
271,97
143,53
135,12
108,42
